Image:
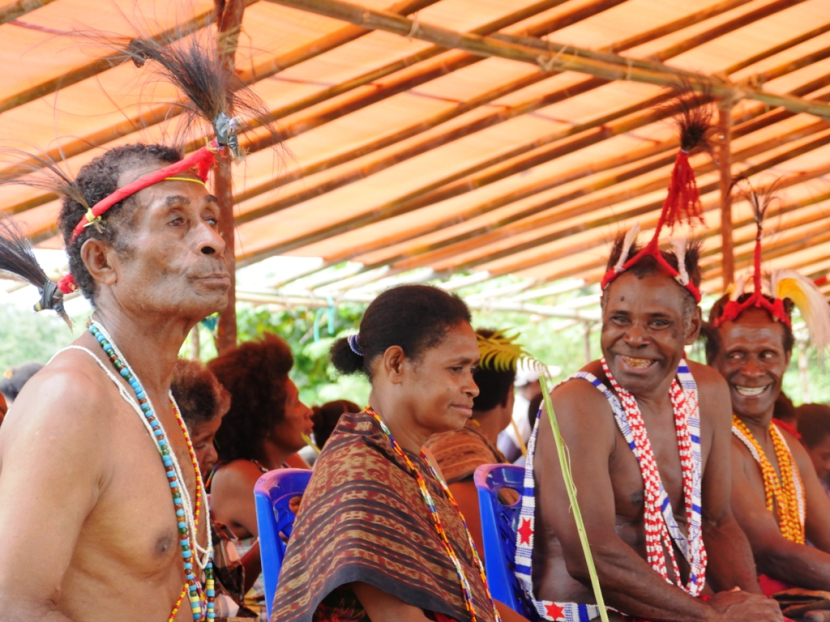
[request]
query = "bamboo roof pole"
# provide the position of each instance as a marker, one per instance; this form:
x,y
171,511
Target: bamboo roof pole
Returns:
x,y
444,65
361,172
563,60
167,111
99,65
778,248
618,46
759,122
801,90
520,223
318,46
229,18
724,152
441,189
474,242
751,60
651,222
12,11
782,210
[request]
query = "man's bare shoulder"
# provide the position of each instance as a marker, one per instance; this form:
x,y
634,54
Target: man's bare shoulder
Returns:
x,y
71,395
707,377
581,399
713,391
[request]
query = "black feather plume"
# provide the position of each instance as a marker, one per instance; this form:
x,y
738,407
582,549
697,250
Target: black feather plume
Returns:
x,y
18,258
693,112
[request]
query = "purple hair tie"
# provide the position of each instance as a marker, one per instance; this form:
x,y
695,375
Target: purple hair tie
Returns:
x,y
354,344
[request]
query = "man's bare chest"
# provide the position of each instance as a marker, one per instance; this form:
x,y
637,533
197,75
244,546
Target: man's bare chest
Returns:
x,y
134,523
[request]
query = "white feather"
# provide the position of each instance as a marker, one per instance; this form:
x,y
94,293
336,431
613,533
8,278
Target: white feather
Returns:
x,y
628,242
810,302
738,288
679,246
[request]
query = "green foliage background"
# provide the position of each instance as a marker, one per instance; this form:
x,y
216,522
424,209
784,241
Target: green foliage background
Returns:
x,y
26,336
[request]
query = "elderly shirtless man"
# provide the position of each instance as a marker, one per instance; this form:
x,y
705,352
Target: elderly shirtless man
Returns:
x,y
88,521
640,397
752,351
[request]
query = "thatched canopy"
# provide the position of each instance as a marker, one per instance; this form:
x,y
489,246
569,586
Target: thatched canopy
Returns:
x,y
489,137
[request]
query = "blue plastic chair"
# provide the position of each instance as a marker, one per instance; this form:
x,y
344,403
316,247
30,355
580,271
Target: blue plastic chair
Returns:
x,y
272,493
498,528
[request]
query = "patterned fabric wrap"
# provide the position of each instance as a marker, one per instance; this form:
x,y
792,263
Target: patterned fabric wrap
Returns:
x,y
460,453
692,547
363,518
786,492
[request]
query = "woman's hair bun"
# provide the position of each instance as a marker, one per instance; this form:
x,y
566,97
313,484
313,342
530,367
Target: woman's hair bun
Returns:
x,y
344,359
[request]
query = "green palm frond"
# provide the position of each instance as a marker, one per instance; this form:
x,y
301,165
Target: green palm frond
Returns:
x,y
500,352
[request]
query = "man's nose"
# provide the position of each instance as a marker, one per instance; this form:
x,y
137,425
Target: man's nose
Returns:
x,y
209,241
635,336
752,368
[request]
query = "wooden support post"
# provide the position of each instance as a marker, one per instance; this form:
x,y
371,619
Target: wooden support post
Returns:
x,y
725,163
195,343
229,15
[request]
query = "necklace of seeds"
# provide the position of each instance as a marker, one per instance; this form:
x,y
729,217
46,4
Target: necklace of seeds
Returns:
x,y
436,520
788,491
201,604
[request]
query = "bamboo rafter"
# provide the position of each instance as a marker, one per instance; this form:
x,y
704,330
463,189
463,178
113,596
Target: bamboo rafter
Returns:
x,y
571,59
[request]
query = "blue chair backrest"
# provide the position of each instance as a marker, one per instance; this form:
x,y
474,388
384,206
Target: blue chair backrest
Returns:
x,y
272,494
498,528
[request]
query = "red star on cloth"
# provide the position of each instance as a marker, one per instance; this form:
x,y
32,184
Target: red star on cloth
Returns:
x,y
525,531
554,611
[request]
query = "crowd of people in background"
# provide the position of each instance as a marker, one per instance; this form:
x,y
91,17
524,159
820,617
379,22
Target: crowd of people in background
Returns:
x,y
244,417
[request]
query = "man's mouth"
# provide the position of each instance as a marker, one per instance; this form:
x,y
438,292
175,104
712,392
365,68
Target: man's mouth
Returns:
x,y
750,391
637,363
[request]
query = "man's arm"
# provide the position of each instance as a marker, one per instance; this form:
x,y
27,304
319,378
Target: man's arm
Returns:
x,y
466,496
51,468
777,557
629,584
232,497
730,556
818,504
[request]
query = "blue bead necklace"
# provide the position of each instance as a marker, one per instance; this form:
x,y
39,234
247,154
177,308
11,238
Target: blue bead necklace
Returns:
x,y
185,517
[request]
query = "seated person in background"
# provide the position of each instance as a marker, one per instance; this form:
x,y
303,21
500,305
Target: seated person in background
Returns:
x,y
13,380
776,494
324,418
814,425
460,452
785,416
378,536
526,388
202,403
264,426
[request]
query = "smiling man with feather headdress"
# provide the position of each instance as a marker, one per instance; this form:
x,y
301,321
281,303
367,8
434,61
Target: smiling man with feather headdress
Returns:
x,y
776,494
648,445
101,504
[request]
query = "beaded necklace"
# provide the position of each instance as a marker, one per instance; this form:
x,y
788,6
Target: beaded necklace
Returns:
x,y
788,491
186,517
436,520
657,525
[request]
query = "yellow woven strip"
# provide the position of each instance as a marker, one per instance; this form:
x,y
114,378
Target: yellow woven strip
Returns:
x,y
190,179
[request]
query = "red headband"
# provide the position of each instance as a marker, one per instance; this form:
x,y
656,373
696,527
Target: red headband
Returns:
x,y
682,203
733,308
203,158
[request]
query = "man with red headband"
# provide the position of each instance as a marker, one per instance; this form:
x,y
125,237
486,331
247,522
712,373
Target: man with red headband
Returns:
x,y
648,442
776,495
102,508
